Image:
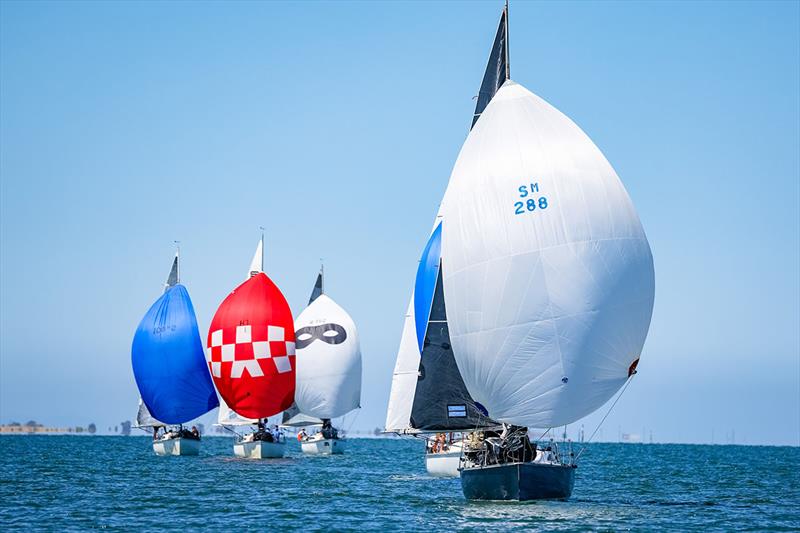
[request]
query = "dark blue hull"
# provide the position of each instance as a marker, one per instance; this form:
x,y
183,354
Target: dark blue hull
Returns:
x,y
520,481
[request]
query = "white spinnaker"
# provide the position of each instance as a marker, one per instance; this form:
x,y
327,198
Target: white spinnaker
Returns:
x,y
404,378
228,417
328,373
144,418
548,308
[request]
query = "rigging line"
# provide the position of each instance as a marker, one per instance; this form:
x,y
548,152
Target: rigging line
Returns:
x,y
543,434
353,421
583,448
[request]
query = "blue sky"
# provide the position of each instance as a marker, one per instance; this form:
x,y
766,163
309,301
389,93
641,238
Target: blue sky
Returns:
x,y
125,126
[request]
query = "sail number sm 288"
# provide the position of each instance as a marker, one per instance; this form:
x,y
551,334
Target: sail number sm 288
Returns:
x,y
532,200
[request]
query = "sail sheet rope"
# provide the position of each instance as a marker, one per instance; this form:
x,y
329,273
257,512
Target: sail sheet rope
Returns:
x,y
583,448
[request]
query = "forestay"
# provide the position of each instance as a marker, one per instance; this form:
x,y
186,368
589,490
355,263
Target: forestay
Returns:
x,y
328,360
548,275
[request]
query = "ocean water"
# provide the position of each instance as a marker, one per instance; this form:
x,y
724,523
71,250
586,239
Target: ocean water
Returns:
x,y
83,482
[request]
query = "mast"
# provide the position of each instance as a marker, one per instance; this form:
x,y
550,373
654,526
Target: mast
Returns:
x,y
322,276
508,46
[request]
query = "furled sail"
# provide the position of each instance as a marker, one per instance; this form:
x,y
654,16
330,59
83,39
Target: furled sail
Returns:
x,y
328,360
496,69
168,361
251,347
548,275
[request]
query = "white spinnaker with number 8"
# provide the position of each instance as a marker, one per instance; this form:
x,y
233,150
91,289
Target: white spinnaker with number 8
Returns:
x,y
548,309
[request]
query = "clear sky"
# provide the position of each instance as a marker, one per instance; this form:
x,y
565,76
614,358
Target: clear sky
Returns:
x,y
125,126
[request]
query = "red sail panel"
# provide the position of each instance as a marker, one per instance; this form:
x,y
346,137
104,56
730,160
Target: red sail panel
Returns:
x,y
251,349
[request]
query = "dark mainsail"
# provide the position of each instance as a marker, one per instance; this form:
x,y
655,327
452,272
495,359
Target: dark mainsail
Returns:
x,y
317,291
172,279
497,68
442,402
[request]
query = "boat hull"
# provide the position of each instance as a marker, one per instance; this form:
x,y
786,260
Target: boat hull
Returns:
x,y
444,464
259,449
323,446
178,446
520,481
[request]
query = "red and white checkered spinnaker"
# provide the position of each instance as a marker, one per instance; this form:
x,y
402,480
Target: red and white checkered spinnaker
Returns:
x,y
251,349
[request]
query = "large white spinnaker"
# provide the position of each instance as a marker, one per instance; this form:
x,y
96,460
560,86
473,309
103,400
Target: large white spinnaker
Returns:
x,y
328,360
548,275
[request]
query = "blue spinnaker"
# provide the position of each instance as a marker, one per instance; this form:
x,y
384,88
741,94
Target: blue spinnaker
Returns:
x,y
427,273
169,363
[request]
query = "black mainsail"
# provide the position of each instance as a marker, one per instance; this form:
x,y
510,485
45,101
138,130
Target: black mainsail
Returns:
x,y
497,70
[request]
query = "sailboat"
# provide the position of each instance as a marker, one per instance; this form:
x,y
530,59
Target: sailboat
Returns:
x,y
328,370
251,356
549,285
168,365
428,393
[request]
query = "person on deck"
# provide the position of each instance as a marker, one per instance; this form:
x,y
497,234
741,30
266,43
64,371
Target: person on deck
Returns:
x,y
302,435
195,433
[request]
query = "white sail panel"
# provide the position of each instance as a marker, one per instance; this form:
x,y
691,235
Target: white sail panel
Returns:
x,y
404,378
144,419
328,360
257,264
548,275
228,417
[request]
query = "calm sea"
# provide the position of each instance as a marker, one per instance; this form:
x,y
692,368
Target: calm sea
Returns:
x,y
71,482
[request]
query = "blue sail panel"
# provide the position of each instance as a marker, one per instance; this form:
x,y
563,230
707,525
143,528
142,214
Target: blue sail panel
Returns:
x,y
168,360
427,273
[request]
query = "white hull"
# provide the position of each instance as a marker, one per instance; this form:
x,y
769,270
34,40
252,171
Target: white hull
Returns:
x,y
259,449
444,464
323,446
178,446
